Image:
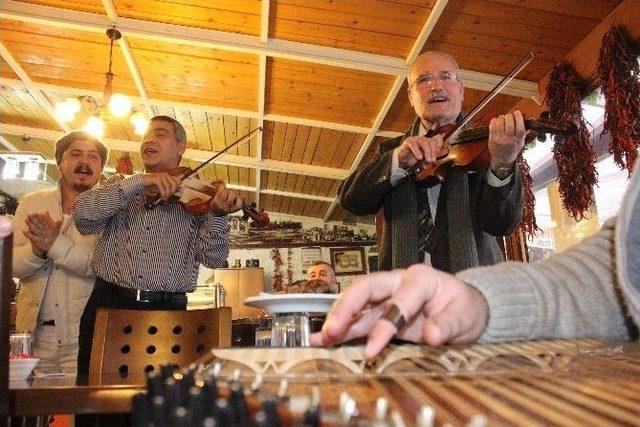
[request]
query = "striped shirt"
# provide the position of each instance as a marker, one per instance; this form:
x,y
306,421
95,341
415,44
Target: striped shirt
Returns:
x,y
157,249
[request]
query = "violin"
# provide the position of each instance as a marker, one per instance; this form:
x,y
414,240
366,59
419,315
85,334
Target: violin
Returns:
x,y
195,195
469,148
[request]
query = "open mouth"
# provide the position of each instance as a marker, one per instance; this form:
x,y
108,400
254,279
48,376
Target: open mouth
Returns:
x,y
83,170
438,99
149,150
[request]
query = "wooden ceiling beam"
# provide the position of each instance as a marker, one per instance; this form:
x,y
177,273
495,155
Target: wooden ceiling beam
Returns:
x,y
298,195
42,100
4,141
194,154
172,33
262,90
264,20
428,26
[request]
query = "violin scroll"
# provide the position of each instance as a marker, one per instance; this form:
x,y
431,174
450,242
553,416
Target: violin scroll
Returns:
x,y
560,129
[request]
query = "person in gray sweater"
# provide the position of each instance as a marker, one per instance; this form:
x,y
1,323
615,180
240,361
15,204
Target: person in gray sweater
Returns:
x,y
591,290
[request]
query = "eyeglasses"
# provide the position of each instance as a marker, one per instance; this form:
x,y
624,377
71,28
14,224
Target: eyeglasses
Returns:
x,y
427,78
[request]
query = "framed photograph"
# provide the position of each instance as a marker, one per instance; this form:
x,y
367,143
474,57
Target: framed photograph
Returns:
x,y
308,256
348,261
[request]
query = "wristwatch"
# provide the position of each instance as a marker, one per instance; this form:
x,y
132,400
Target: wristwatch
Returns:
x,y
502,172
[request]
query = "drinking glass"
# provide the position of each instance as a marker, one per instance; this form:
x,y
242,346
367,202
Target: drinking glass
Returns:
x,y
20,346
290,330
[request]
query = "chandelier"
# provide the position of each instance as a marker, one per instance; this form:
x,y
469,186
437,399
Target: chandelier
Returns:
x,y
114,105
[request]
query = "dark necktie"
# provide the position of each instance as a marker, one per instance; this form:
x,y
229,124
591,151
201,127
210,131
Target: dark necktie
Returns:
x,y
425,222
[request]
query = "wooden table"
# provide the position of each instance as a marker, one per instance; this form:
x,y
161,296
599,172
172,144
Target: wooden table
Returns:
x,y
70,396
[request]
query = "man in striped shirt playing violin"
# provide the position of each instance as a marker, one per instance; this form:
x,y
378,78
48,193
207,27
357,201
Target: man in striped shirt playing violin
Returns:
x,y
148,258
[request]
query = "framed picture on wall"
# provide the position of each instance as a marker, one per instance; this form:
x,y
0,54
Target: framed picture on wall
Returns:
x,y
348,261
308,256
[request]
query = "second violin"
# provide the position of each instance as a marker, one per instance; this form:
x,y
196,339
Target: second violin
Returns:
x,y
195,196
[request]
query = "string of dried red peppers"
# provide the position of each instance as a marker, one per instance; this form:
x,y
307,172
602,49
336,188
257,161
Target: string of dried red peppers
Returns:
x,y
527,224
124,165
575,157
618,72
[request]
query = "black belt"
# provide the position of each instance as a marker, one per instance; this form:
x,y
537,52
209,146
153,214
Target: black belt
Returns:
x,y
140,295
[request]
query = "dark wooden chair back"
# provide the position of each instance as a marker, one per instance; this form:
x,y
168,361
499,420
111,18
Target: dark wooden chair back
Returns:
x,y
7,289
132,343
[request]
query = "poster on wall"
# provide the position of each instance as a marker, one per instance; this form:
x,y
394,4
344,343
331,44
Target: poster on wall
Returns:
x,y
308,256
348,261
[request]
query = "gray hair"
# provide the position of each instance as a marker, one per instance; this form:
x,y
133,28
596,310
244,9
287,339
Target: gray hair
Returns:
x,y
178,129
434,52
63,144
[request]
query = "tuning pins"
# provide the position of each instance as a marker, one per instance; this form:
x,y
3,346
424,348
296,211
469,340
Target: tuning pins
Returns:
x,y
426,416
312,415
348,407
382,406
478,421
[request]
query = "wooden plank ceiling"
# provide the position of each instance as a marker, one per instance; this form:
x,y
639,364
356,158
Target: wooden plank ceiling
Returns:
x,y
325,78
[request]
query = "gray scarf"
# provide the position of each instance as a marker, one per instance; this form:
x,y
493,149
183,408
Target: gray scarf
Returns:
x,y
463,252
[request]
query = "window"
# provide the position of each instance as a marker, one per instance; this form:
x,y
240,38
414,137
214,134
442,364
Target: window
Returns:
x,y
559,231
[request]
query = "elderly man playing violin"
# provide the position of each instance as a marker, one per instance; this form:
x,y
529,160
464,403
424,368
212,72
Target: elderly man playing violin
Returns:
x,y
148,257
450,225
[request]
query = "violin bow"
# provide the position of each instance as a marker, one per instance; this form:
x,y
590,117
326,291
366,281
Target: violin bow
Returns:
x,y
221,152
496,90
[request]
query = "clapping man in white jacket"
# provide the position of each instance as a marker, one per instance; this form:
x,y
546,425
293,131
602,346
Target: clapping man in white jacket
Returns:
x,y
52,259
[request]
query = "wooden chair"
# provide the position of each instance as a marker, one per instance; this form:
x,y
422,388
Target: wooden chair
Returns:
x,y
132,343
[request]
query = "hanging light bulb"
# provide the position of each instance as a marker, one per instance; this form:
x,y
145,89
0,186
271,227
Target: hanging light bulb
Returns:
x,y
139,122
95,126
120,105
74,104
67,110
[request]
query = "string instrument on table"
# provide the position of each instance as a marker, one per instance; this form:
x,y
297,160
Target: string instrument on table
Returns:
x,y
195,194
469,148
551,382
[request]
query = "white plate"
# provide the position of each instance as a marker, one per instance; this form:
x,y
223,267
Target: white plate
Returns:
x,y
20,369
292,303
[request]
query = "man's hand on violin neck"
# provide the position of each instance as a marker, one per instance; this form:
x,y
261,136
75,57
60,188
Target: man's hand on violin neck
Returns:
x,y
225,202
161,183
506,139
417,148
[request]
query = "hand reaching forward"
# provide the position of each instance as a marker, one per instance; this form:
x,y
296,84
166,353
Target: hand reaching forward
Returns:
x,y
438,307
